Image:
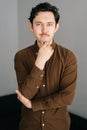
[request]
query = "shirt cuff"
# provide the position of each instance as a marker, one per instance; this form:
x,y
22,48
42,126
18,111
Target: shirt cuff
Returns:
x,y
36,105
37,73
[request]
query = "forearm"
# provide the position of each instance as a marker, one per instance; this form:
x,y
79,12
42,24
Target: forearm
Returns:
x,y
29,79
26,102
56,100
31,84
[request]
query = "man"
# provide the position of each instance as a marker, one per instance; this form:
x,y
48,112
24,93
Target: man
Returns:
x,y
46,74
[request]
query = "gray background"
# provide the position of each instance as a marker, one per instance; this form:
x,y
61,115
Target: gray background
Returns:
x,y
15,35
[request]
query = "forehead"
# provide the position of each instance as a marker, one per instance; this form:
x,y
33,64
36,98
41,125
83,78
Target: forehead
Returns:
x,y
45,16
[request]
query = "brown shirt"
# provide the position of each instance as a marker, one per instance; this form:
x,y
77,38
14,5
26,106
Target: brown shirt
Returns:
x,y
51,90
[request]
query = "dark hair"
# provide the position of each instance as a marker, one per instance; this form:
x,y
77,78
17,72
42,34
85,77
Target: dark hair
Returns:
x,y
44,7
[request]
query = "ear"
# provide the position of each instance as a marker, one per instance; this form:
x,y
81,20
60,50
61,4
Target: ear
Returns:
x,y
57,27
30,27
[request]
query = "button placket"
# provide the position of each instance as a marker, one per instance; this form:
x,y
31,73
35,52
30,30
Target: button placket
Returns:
x,y
43,112
41,75
44,85
37,87
43,123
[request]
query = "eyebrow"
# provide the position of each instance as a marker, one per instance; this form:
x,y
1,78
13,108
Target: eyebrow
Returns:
x,y
42,22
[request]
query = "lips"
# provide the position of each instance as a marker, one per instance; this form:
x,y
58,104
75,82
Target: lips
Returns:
x,y
44,35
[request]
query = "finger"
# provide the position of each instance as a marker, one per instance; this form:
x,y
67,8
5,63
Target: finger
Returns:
x,y
45,44
19,95
17,92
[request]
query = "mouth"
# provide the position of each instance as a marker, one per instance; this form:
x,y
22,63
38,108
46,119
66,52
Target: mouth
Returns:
x,y
44,35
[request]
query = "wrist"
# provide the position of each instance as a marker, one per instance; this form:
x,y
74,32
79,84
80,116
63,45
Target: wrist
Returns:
x,y
29,104
40,64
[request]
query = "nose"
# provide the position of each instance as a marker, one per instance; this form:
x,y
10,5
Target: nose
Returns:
x,y
44,29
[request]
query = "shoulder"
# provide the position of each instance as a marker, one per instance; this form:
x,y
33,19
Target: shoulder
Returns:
x,y
66,54
24,52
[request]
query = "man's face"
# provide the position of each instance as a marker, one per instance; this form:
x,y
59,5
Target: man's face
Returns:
x,y
44,27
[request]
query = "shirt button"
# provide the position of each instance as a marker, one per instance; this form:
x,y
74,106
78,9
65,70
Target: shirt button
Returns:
x,y
43,124
43,112
43,85
37,86
41,75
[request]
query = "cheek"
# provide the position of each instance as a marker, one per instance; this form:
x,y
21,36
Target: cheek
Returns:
x,y
51,31
37,27
36,33
37,30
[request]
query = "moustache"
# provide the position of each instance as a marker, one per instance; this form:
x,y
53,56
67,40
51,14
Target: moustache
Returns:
x,y
44,34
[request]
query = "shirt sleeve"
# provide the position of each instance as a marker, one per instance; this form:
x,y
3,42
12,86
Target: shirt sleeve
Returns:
x,y
65,95
28,83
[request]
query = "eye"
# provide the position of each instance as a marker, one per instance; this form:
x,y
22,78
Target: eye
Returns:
x,y
38,24
50,24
